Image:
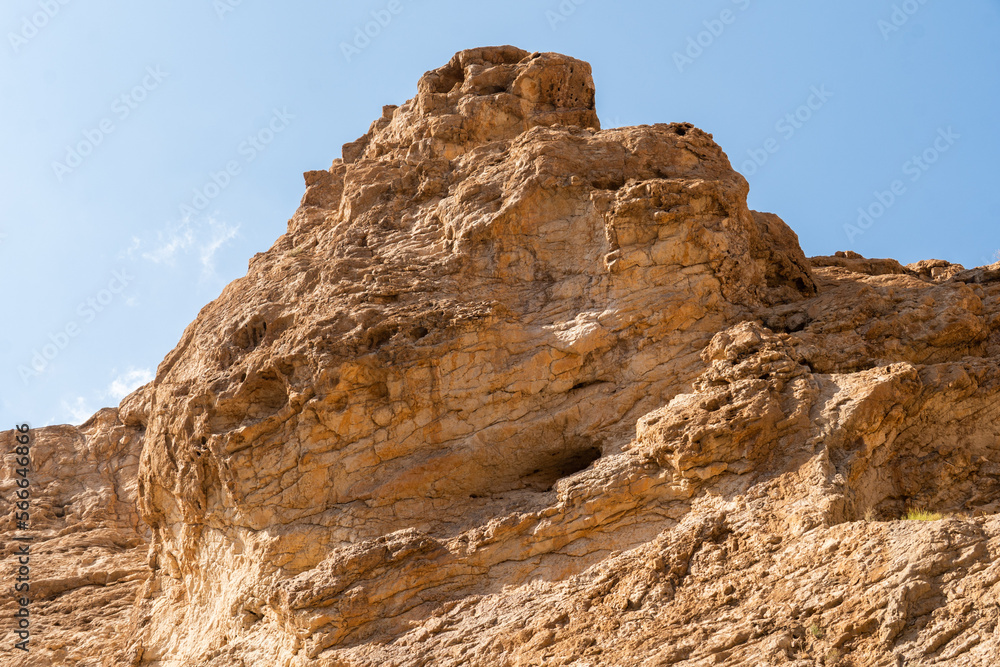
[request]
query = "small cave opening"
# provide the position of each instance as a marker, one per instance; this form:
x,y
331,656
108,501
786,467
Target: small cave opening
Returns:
x,y
378,335
251,334
557,465
681,129
788,322
447,78
587,383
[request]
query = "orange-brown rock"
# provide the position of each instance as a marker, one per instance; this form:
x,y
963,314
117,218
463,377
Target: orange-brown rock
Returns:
x,y
88,546
515,390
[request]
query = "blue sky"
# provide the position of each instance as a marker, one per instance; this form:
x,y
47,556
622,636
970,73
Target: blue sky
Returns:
x,y
150,149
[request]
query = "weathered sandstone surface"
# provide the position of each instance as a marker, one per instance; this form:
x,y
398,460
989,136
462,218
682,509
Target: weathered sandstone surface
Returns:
x,y
89,547
514,390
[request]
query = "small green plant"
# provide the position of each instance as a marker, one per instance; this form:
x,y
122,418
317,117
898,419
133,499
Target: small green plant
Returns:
x,y
918,514
816,631
832,657
295,252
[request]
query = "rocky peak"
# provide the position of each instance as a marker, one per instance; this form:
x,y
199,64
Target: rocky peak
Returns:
x,y
481,96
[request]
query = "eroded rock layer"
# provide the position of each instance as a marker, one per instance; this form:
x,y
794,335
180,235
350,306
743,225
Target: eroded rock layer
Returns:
x,y
515,390
87,545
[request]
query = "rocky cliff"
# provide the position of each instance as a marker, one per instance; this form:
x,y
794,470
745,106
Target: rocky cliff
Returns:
x,y
515,390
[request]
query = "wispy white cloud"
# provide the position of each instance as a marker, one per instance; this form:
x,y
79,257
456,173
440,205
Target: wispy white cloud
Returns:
x,y
221,234
133,248
168,243
199,238
127,382
78,411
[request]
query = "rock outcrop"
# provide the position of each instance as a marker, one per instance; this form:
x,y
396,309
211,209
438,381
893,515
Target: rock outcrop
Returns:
x,y
515,390
88,546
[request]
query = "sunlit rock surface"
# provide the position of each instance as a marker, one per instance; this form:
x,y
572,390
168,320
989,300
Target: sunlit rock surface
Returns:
x,y
515,390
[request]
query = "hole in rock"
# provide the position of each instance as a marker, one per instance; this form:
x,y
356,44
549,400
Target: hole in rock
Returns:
x,y
555,466
378,336
588,383
451,76
789,323
251,334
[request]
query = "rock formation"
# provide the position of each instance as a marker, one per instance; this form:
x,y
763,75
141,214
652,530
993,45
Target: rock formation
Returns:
x,y
515,390
88,552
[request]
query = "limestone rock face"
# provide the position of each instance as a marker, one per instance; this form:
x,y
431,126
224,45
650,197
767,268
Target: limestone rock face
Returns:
x,y
515,390
88,546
